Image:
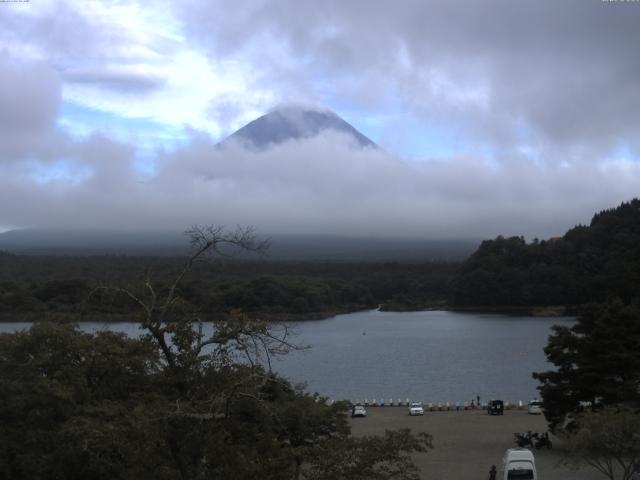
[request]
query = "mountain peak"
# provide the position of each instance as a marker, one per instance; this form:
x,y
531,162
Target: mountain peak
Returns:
x,y
294,122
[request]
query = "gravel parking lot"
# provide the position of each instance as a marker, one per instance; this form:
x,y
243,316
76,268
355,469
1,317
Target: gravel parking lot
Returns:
x,y
467,443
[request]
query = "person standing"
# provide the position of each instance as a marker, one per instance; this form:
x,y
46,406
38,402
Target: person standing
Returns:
x,y
492,473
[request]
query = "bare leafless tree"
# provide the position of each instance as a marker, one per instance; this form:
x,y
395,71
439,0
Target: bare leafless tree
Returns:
x,y
180,334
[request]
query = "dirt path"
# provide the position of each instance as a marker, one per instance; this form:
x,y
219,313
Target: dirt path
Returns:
x,y
467,443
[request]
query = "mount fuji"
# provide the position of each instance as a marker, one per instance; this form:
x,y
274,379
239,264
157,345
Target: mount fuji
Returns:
x,y
294,123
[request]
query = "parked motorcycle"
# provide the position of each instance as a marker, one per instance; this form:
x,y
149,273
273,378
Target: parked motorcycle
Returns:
x,y
523,439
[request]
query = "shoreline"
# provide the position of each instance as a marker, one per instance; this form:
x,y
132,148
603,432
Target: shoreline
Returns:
x,y
517,311
528,310
74,317
531,310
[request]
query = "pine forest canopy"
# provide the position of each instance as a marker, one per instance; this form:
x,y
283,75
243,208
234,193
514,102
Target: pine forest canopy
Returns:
x,y
589,263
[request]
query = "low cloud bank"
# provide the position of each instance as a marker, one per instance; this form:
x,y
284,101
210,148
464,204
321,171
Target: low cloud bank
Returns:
x,y
320,185
325,184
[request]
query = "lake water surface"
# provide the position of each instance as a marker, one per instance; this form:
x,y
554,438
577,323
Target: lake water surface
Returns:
x,y
434,356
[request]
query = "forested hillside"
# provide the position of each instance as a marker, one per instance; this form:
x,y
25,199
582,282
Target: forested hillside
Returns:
x,y
589,263
36,286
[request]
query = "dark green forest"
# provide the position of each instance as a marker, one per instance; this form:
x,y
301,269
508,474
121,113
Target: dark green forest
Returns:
x,y
33,286
589,263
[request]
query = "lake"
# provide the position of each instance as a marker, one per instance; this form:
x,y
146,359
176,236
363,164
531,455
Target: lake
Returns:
x,y
434,356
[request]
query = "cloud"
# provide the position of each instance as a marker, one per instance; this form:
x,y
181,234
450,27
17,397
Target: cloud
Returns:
x,y
30,98
136,79
532,108
497,74
325,185
29,95
497,71
317,185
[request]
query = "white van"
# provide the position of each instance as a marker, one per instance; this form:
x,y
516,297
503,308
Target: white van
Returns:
x,y
519,464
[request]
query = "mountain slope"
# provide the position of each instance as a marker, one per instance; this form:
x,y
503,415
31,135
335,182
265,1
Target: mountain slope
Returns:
x,y
293,123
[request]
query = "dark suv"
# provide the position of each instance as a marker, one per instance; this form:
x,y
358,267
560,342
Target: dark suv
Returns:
x,y
495,407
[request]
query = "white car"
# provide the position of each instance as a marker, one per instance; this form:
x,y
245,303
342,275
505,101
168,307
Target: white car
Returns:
x,y
358,411
415,408
535,407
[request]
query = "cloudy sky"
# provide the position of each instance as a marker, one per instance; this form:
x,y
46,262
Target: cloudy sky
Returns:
x,y
512,117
